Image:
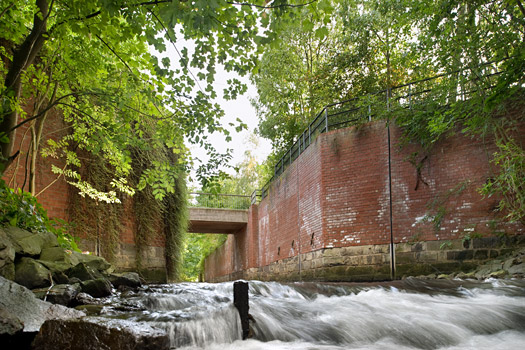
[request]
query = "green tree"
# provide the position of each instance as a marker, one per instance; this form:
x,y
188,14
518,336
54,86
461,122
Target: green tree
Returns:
x,y
288,93
91,62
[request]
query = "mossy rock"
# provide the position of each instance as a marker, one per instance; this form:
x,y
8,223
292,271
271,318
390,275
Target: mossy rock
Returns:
x,y
83,272
97,288
7,257
63,294
32,274
96,262
25,242
128,279
59,255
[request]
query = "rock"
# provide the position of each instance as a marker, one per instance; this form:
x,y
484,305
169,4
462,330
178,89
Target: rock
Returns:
x,y
9,323
517,269
50,240
90,310
95,333
57,271
63,294
25,242
32,312
32,274
464,276
59,255
483,272
85,299
7,257
96,262
443,276
128,279
97,288
83,272
498,274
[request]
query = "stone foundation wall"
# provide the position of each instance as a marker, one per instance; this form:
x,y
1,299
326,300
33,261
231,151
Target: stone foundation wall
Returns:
x,y
372,262
339,197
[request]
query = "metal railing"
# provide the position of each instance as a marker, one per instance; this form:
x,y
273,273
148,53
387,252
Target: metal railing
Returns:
x,y
445,88
218,200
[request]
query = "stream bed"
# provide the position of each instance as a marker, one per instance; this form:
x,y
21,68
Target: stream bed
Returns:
x,y
408,314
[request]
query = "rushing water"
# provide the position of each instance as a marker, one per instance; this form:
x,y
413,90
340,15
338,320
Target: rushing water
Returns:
x,y
409,314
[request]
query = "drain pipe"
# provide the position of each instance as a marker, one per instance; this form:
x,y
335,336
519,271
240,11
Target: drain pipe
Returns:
x,y
392,248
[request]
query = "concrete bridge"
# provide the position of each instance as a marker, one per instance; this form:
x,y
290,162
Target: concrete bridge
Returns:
x,y
218,213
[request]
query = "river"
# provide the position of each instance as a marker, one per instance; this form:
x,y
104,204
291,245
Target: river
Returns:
x,y
408,314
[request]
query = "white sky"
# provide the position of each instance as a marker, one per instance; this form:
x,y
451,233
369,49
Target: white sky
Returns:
x,y
240,108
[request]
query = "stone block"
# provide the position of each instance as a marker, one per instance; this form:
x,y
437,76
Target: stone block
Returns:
x,y
486,242
427,256
405,258
481,254
374,259
460,255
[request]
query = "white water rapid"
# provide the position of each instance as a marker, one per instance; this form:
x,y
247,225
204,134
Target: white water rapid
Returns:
x,y
409,314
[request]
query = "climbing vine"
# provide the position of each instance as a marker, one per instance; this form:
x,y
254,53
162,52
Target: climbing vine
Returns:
x,y
176,218
96,221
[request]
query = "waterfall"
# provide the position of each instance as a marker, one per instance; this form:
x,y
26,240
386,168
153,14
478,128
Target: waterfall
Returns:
x,y
409,314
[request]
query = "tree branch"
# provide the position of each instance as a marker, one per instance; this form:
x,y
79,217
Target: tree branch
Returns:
x,y
271,6
6,9
115,53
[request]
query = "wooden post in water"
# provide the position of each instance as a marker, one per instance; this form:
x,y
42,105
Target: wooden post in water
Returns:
x,y
240,300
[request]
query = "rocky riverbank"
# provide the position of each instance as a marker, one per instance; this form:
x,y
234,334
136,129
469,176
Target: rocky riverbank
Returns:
x,y
509,266
40,281
50,297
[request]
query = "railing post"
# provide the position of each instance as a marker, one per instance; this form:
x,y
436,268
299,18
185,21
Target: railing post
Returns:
x,y
410,95
309,135
388,99
326,119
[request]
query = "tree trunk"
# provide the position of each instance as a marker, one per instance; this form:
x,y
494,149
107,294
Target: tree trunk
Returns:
x,y
23,57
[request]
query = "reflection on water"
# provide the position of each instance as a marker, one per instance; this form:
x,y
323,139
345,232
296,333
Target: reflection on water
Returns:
x,y
409,314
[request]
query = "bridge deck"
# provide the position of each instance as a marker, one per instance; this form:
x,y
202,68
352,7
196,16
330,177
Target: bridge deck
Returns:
x,y
209,220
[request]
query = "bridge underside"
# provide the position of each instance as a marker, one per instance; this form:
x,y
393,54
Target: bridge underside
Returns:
x,y
208,220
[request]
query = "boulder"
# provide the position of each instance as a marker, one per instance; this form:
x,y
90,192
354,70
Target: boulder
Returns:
x,y
517,269
85,299
50,240
97,288
95,333
127,279
25,242
9,323
32,274
59,255
96,262
63,294
57,270
83,272
20,303
7,257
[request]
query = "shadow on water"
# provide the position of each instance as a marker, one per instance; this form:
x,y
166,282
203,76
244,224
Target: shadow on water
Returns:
x,y
407,314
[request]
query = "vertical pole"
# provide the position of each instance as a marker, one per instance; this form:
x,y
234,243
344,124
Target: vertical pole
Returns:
x,y
392,248
369,113
326,118
392,251
240,301
410,95
388,99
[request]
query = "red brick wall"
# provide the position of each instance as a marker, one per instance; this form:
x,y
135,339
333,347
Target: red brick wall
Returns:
x,y
56,198
336,194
